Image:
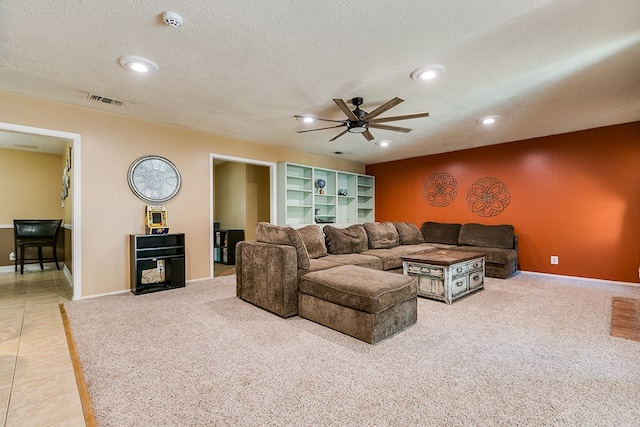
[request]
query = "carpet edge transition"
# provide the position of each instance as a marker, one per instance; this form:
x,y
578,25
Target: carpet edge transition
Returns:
x,y
85,401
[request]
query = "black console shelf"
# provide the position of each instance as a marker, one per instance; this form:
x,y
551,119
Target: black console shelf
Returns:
x,y
225,242
150,250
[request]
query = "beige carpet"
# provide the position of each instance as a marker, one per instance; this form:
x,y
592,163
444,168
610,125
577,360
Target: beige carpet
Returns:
x,y
527,351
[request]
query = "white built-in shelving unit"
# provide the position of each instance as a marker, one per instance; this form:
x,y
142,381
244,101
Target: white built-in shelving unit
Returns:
x,y
347,198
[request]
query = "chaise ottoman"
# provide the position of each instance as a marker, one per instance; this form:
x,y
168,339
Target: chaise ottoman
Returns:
x,y
367,304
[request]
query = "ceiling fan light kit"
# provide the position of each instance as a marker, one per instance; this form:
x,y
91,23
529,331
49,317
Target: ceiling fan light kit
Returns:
x,y
359,121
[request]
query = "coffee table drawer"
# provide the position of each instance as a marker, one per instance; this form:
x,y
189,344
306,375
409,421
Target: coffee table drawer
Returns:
x,y
425,270
458,269
459,285
476,279
476,264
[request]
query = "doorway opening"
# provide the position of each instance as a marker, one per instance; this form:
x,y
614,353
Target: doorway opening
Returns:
x,y
74,275
242,193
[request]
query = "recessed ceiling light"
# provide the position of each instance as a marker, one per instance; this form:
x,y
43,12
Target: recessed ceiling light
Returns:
x,y
429,72
308,119
137,64
384,143
488,120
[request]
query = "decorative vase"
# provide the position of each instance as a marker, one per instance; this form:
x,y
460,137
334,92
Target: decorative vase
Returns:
x,y
321,184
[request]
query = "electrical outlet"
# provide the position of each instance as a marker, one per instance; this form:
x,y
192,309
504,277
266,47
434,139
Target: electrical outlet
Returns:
x,y
12,256
554,260
160,265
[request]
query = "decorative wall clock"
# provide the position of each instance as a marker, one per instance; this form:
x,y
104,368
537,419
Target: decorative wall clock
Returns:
x,y
154,179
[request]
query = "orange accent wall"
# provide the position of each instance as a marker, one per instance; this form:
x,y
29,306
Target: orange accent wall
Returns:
x,y
574,195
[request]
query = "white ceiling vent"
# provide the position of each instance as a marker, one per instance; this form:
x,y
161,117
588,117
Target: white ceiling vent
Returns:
x,y
104,99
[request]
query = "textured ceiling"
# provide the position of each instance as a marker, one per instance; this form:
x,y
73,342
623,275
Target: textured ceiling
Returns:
x,y
244,68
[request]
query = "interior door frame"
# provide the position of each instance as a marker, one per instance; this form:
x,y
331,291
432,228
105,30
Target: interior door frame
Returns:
x,y
76,183
272,193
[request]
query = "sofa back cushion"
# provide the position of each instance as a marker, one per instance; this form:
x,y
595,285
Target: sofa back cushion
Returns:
x,y
409,233
440,232
313,239
491,236
349,240
381,235
278,235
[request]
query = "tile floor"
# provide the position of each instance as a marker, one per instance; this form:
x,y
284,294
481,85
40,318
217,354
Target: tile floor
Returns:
x,y
37,382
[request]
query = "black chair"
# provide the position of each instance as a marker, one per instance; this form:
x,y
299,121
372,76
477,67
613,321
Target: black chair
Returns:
x,y
35,233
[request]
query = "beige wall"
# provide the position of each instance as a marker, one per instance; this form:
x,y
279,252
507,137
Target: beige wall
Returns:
x,y
30,185
30,189
110,211
258,203
229,194
242,196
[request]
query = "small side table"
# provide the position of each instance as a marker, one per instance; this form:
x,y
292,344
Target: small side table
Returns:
x,y
445,275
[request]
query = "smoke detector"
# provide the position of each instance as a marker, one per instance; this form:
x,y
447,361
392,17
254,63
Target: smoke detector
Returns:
x,y
172,19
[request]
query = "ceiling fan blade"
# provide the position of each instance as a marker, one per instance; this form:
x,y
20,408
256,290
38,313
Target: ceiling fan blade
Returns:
x,y
384,107
387,127
318,118
405,117
338,135
367,135
345,109
330,127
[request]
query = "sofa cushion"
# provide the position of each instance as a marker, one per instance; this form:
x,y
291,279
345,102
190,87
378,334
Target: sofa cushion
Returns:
x,y
392,258
409,233
313,239
359,259
440,232
492,255
381,235
491,236
349,240
359,288
279,235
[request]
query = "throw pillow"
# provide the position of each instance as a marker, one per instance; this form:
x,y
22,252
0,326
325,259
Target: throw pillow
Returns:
x,y
382,235
352,239
409,233
278,235
313,239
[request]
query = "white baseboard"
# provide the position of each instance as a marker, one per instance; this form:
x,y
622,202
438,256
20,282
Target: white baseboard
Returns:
x,y
588,279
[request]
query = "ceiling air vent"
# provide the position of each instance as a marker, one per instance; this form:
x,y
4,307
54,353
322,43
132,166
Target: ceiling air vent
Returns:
x,y
104,99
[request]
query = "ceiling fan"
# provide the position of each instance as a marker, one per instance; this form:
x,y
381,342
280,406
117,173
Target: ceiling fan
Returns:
x,y
359,121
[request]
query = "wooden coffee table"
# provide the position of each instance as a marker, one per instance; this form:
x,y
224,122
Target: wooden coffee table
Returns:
x,y
445,275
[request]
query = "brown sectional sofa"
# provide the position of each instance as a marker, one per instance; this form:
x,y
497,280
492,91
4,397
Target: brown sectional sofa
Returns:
x,y
269,269
498,243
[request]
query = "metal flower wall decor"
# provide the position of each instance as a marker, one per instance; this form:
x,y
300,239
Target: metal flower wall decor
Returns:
x,y
440,189
488,197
